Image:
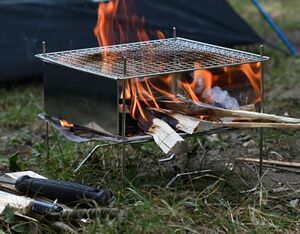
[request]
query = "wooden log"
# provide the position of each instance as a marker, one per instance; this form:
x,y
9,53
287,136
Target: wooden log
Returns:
x,y
183,122
249,107
260,125
205,125
270,162
193,108
164,136
19,203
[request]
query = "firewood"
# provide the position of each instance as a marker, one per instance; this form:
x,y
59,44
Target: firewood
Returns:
x,y
250,107
193,108
14,201
270,162
205,125
183,122
164,136
260,125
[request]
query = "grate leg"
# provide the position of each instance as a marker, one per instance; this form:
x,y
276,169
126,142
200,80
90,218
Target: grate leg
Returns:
x,y
47,145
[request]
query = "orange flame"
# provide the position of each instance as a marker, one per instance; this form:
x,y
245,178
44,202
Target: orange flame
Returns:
x,y
253,74
143,93
66,124
108,31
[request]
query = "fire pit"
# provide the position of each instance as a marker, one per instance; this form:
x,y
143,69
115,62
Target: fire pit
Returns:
x,y
98,87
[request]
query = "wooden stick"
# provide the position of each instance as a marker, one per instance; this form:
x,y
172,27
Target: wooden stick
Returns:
x,y
164,136
205,125
193,108
14,201
250,107
255,125
270,162
184,123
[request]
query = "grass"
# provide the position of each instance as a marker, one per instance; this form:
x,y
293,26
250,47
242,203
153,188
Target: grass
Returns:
x,y
209,203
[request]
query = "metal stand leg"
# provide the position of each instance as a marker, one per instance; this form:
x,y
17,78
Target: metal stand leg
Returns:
x,y
123,165
123,121
57,141
261,132
261,152
173,180
87,157
90,154
47,145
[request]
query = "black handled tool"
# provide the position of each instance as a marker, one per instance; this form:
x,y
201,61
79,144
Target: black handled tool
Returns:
x,y
64,192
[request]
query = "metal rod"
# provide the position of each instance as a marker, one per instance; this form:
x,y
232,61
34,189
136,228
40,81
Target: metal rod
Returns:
x,y
261,131
143,140
124,119
58,143
47,145
174,33
172,181
44,47
91,153
167,159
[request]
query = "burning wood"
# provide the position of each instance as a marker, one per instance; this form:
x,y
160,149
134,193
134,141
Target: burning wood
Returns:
x,y
164,136
207,125
193,108
184,123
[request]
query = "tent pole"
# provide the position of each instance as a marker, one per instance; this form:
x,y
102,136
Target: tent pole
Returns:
x,y
273,25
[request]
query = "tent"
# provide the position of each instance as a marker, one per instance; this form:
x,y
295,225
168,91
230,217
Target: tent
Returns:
x,y
68,24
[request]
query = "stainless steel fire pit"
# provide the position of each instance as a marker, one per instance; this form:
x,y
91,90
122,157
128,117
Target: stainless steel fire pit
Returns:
x,y
85,86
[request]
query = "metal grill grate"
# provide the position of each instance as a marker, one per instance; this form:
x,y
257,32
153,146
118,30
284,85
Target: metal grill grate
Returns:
x,y
151,58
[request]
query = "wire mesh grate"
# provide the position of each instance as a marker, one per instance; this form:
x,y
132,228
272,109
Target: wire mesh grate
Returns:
x,y
150,58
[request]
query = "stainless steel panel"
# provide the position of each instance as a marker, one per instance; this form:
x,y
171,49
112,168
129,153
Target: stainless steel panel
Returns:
x,y
81,98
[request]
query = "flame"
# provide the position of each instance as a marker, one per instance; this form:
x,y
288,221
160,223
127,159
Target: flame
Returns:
x,y
253,74
109,30
143,93
66,124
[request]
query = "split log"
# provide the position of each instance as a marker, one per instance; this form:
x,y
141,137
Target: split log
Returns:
x,y
164,136
182,122
19,203
208,125
193,108
250,107
270,162
260,125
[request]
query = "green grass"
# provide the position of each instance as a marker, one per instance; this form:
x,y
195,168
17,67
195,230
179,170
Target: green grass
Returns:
x,y
210,203
19,106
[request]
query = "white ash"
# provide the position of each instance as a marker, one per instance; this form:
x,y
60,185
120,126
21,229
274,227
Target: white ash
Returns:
x,y
199,86
221,98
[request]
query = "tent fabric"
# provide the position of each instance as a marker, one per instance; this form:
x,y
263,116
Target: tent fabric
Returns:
x,y
68,24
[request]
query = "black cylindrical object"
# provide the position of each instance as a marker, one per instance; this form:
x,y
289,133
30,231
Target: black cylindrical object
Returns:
x,y
64,192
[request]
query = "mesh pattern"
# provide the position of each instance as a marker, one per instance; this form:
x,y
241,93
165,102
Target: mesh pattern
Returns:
x,y
151,58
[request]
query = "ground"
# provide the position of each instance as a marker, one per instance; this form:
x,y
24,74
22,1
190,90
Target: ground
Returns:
x,y
220,200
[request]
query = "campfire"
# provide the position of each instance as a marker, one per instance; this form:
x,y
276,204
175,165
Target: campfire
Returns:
x,y
164,88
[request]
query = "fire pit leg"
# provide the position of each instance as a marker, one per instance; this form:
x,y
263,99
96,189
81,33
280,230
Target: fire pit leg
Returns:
x,y
261,132
191,173
123,120
47,145
87,157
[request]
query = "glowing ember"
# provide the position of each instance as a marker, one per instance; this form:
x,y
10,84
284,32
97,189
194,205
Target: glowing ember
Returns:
x,y
66,124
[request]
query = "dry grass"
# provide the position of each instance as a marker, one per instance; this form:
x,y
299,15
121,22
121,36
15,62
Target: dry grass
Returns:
x,y
209,203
